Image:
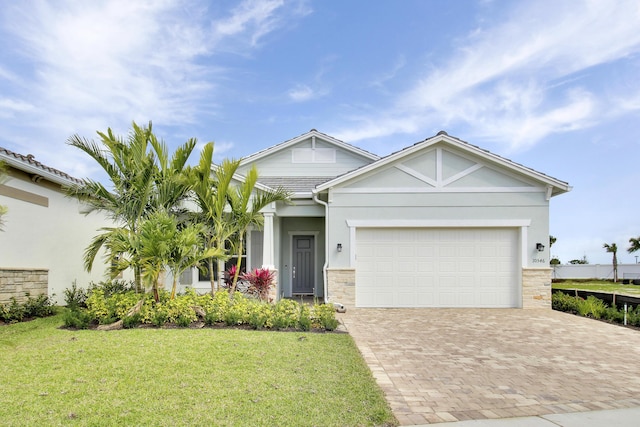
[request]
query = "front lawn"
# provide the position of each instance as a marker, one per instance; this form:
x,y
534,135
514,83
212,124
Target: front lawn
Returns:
x,y
599,286
183,377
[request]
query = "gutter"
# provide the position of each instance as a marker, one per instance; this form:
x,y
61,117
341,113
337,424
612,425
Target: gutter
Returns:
x,y
340,308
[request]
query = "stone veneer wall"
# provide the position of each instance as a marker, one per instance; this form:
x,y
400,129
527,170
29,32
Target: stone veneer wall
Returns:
x,y
18,282
342,286
536,287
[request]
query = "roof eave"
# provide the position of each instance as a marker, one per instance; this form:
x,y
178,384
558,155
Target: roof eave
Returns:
x,y
30,169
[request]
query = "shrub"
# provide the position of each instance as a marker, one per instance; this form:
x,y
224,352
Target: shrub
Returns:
x,y
75,297
614,315
286,314
14,312
260,281
39,306
259,315
304,321
111,287
563,302
592,307
324,316
76,318
132,321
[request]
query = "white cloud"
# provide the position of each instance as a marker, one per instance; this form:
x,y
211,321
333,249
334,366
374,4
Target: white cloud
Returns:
x,y
301,93
100,64
502,82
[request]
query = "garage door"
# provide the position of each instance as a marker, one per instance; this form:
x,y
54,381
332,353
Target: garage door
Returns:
x,y
430,267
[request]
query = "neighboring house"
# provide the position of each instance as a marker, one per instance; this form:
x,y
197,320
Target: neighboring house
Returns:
x,y
441,223
45,233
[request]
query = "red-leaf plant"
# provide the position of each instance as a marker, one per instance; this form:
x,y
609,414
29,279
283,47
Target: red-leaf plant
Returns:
x,y
260,280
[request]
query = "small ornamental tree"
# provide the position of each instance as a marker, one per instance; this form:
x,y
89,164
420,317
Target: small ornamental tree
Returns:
x,y
260,281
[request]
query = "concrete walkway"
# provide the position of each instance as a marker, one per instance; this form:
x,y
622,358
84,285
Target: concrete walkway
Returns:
x,y
448,365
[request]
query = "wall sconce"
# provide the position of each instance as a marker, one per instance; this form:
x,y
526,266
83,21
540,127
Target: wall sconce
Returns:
x,y
540,247
339,247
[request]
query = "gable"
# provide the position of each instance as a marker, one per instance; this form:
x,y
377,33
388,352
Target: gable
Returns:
x,y
312,156
441,168
443,163
302,163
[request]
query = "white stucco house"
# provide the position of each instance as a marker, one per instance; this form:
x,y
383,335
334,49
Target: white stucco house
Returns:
x,y
441,223
45,232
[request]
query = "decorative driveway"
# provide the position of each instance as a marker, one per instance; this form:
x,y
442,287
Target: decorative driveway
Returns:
x,y
439,365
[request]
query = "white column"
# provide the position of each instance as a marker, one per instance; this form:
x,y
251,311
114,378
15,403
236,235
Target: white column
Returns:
x,y
268,260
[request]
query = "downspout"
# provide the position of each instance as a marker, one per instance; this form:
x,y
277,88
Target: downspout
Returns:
x,y
339,307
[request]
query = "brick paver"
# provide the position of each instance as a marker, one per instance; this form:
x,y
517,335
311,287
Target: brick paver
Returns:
x,y
438,365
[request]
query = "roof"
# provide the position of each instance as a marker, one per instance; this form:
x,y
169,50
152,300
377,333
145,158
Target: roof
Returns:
x,y
30,165
312,133
442,136
294,184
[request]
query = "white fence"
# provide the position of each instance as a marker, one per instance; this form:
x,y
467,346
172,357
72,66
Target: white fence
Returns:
x,y
595,271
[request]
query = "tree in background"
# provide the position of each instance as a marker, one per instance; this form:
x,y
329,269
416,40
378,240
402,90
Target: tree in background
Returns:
x,y
613,248
634,244
582,260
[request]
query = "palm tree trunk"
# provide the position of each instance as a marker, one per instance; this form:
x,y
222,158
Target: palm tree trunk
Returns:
x,y
238,265
211,279
174,287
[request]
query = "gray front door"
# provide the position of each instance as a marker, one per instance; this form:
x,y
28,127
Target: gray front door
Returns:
x,y
302,272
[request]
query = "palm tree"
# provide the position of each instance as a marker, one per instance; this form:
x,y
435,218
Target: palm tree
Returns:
x,y
246,203
210,194
634,244
142,179
613,248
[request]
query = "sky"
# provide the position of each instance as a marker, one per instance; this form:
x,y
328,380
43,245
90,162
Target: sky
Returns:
x,y
553,85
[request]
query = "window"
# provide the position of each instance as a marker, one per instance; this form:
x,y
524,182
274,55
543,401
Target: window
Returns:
x,y
203,273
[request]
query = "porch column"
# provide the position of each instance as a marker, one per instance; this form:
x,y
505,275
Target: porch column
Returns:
x,y
268,260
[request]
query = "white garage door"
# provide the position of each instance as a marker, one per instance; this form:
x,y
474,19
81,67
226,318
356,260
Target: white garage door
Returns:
x,y
431,267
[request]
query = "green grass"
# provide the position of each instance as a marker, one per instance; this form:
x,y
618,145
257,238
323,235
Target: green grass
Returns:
x,y
183,377
599,286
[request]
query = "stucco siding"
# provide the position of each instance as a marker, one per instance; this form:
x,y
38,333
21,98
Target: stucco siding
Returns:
x,y
52,237
440,208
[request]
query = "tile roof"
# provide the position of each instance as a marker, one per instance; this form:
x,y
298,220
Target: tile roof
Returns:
x,y
295,184
30,160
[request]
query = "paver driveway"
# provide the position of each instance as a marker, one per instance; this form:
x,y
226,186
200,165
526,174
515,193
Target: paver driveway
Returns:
x,y
438,365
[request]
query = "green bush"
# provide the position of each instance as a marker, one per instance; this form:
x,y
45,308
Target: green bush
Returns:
x,y
112,287
286,314
304,321
132,321
563,302
76,318
613,314
324,316
75,297
260,315
39,306
592,307
13,312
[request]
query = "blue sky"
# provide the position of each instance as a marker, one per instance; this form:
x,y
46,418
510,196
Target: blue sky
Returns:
x,y
553,85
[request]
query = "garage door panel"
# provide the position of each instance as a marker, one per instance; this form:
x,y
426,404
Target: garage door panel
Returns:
x,y
437,268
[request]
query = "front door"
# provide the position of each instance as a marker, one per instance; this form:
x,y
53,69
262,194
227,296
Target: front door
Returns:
x,y
302,272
